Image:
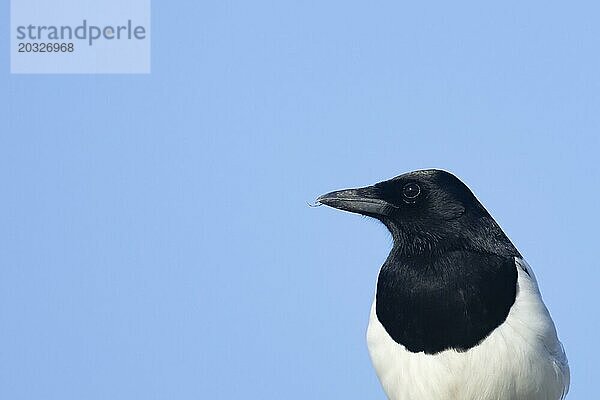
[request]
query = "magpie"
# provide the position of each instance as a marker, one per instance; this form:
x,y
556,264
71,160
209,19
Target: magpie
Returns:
x,y
457,313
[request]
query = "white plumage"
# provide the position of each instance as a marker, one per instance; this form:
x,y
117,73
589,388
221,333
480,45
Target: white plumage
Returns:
x,y
522,359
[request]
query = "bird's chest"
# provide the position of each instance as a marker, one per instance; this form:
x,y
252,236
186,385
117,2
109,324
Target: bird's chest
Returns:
x,y
488,372
450,302
511,363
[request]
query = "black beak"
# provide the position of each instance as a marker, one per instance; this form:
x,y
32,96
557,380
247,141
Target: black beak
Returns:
x,y
365,201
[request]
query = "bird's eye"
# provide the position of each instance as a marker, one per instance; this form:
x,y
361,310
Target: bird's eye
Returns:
x,y
411,191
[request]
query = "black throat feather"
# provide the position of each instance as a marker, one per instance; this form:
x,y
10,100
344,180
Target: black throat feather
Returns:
x,y
437,292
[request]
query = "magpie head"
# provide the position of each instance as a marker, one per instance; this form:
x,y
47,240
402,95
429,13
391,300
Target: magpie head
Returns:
x,y
425,210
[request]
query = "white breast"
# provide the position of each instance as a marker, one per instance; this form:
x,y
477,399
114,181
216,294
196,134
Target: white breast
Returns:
x,y
522,359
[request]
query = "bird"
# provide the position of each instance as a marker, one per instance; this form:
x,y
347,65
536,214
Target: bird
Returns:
x,y
457,312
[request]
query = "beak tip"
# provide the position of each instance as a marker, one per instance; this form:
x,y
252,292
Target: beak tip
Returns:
x,y
314,204
324,200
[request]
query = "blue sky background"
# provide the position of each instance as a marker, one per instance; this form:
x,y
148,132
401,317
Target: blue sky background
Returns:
x,y
155,238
